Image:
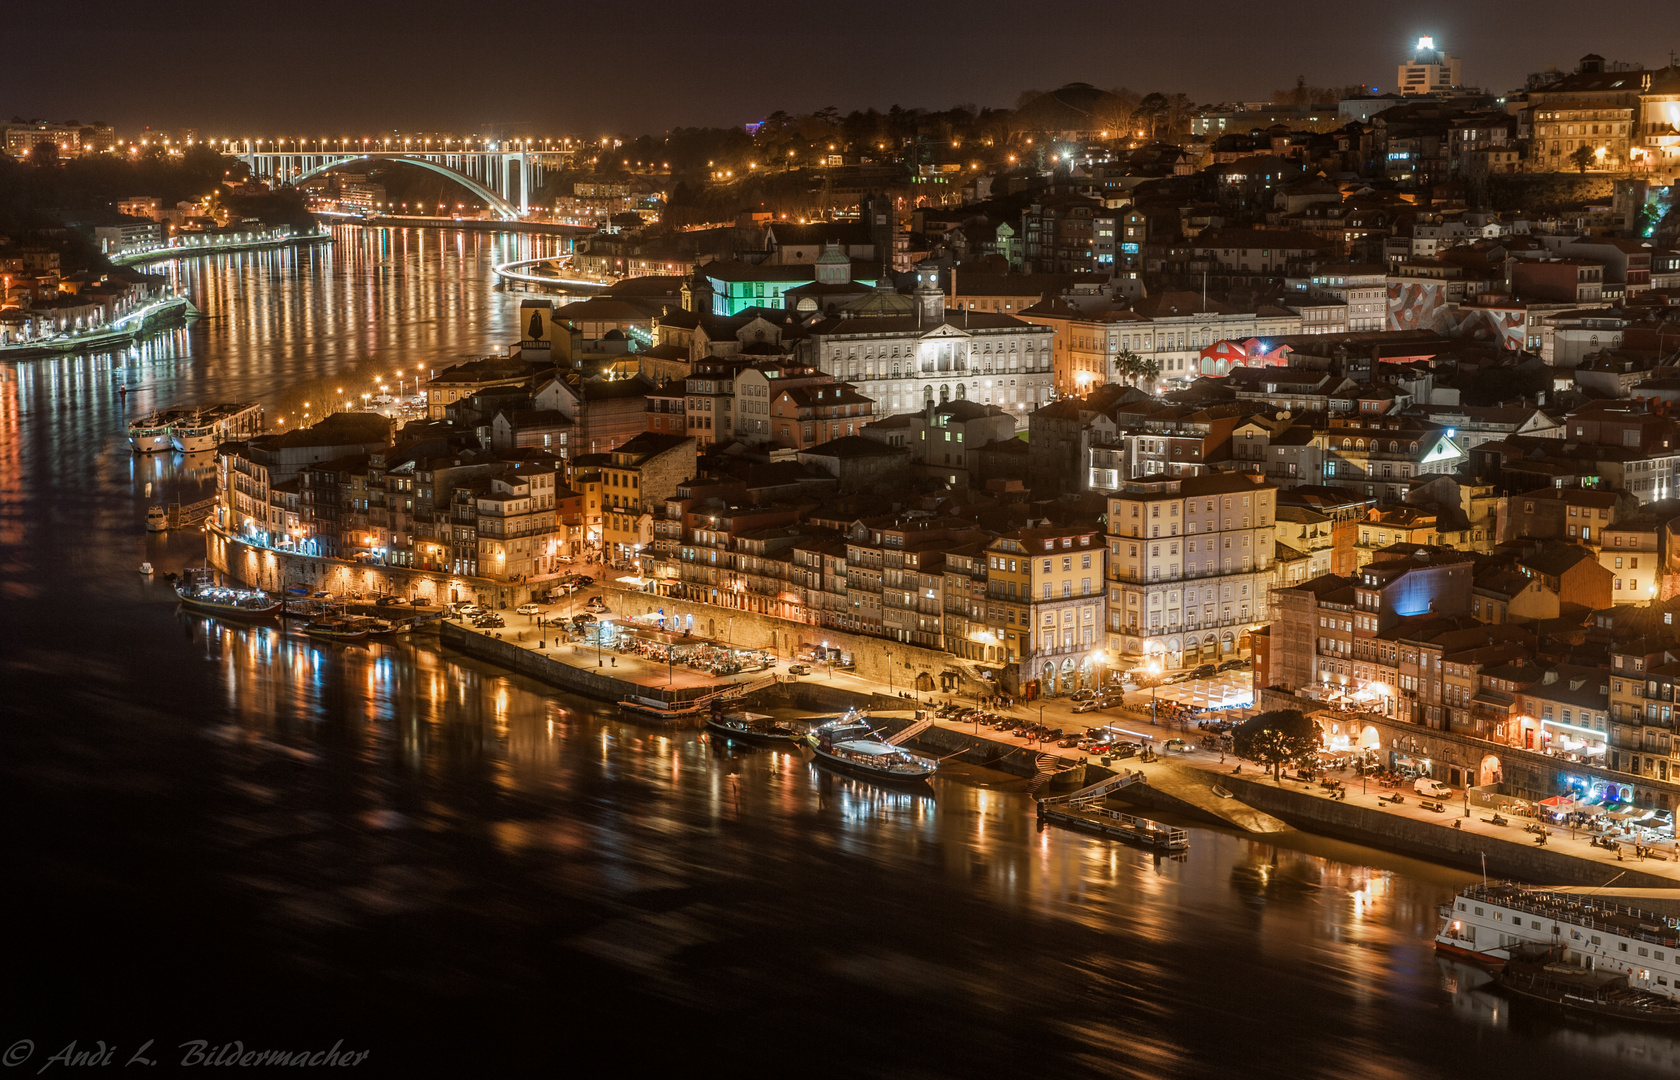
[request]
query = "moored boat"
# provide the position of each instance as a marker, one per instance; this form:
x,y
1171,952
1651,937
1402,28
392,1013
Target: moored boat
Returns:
x,y
1491,924
846,744
149,434
754,728
336,630
199,592
1543,974
146,569
193,434
157,519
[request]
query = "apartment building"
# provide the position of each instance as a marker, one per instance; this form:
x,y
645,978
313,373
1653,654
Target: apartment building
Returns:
x,y
515,523
1190,565
1044,605
635,480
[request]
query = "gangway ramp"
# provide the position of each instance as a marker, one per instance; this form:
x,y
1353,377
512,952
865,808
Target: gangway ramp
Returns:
x,y
899,738
1093,793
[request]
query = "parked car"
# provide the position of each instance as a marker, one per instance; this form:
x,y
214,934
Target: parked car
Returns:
x,y
583,618
528,609
798,669
584,579
595,603
1233,665
1087,706
419,601
469,610
388,601
1084,695
1205,671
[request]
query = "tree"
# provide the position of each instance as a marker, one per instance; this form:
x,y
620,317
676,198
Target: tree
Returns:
x,y
1150,111
1132,367
1582,157
1275,737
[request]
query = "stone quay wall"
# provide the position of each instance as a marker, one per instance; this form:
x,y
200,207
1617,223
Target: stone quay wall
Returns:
x,y
1519,859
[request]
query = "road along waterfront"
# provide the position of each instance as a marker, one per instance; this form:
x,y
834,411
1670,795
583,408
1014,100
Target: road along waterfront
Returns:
x,y
235,828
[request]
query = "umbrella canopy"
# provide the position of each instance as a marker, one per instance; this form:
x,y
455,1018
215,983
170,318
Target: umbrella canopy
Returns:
x,y
1558,801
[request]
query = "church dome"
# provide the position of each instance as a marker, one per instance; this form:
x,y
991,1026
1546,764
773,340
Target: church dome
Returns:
x,y
881,302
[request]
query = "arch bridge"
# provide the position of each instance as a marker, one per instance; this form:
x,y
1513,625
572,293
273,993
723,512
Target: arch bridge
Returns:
x,y
503,178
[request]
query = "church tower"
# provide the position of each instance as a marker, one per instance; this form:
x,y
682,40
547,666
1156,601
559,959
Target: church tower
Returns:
x,y
697,293
929,297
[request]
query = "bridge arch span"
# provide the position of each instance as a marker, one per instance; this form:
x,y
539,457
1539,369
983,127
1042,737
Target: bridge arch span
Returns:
x,y
504,209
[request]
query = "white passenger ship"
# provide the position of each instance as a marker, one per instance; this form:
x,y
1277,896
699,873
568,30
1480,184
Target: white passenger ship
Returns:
x,y
1488,924
194,434
149,434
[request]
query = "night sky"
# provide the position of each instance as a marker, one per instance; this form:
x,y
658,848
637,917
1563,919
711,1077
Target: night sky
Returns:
x,y
307,67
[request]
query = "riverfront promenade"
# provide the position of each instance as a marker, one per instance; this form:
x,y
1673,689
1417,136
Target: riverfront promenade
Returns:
x,y
1180,781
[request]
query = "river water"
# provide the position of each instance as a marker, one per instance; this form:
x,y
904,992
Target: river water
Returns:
x,y
220,833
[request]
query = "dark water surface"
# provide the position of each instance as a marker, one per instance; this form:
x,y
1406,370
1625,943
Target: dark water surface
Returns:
x,y
224,833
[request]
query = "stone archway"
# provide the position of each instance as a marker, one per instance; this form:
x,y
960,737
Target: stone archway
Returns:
x,y
1048,680
1228,644
1370,738
1490,772
1070,677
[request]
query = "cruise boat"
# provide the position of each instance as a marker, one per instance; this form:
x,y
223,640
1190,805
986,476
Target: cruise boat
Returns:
x,y
846,744
1545,974
194,433
199,592
149,434
1494,925
754,728
157,519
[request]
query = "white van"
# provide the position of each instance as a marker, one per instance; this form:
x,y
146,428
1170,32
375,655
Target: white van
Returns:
x,y
1431,789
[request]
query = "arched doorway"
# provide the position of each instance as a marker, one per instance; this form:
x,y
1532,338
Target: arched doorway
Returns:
x,y
1085,681
1369,739
1175,653
1048,678
1490,772
1192,652
1070,680
1228,644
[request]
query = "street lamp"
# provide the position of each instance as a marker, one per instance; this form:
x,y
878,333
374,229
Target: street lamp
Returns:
x,y
1154,686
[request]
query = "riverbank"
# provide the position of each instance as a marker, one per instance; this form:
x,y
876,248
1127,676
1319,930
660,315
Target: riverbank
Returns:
x,y
1180,783
1183,782
188,249
146,319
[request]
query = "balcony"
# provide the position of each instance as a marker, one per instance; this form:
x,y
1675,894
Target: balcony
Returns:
x,y
1124,578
